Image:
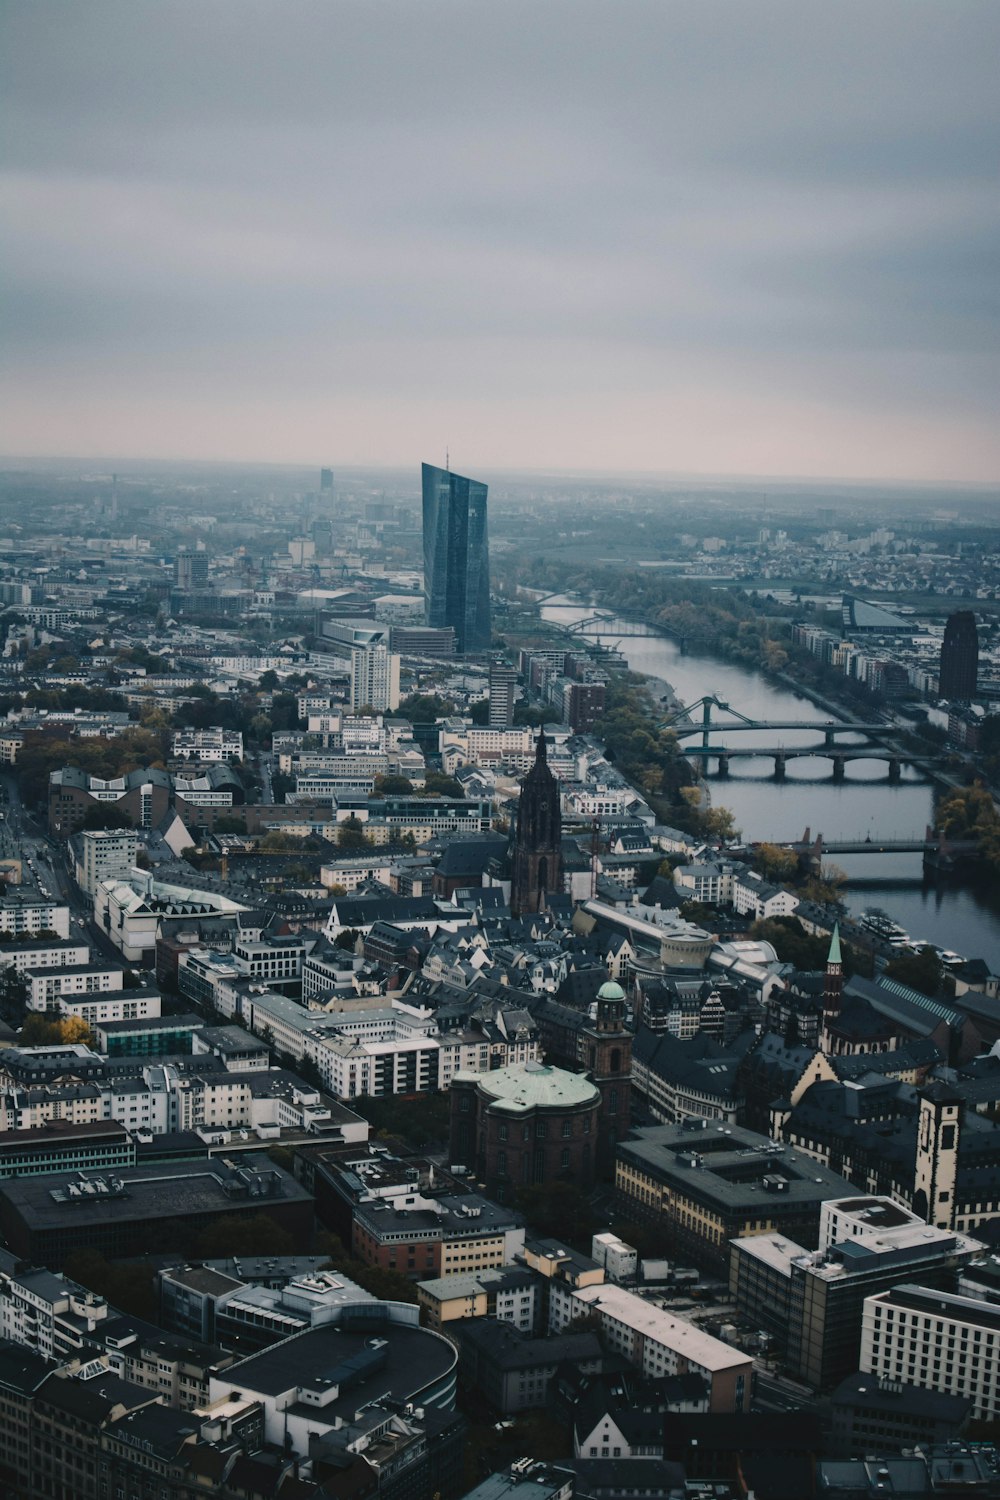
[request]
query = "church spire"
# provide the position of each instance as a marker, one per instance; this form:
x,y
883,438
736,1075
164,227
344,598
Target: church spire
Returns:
x,y
833,988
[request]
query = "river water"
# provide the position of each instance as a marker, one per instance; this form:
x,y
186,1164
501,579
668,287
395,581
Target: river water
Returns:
x,y
965,918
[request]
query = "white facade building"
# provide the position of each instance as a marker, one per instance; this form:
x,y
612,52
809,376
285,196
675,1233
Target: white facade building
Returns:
x,y
944,1343
374,678
106,854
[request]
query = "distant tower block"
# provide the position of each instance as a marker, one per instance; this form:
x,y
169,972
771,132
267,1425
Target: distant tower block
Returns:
x,y
456,557
959,670
503,680
326,479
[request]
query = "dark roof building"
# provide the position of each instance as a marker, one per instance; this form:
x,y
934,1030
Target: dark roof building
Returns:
x,y
139,1209
705,1185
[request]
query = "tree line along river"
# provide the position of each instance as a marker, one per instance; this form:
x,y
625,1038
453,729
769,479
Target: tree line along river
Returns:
x,y
964,917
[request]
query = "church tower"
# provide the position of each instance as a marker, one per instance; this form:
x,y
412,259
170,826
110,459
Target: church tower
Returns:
x,y
833,989
536,864
606,1045
939,1131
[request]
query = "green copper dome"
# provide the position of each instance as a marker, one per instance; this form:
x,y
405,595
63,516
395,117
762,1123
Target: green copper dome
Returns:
x,y
611,991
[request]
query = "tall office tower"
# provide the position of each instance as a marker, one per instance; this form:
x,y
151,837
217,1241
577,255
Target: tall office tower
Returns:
x,y
959,657
456,557
191,569
326,479
536,855
502,684
374,679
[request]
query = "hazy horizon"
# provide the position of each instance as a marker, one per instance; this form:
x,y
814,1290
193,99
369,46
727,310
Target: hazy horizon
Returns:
x,y
696,241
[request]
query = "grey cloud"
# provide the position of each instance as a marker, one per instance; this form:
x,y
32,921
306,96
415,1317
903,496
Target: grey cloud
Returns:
x,y
433,202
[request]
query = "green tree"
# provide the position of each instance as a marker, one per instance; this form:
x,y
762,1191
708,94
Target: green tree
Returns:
x,y
425,708
921,971
775,863
558,1208
252,1234
351,835
392,786
438,785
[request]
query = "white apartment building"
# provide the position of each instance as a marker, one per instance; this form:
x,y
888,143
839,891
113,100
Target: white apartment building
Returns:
x,y
759,898
278,961
711,883
23,913
46,986
158,1098
47,1314
935,1340
350,873
374,678
44,955
213,744
115,1005
106,854
657,1342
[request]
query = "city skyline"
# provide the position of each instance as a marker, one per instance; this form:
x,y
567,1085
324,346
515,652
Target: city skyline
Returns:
x,y
683,239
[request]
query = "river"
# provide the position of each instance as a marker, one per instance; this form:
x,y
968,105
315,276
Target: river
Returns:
x,y
965,918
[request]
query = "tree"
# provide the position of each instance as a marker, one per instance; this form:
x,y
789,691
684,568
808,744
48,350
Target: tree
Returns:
x,y
438,785
392,786
425,708
75,1029
921,971
826,887
536,714
351,835
252,1234
127,1285
558,1208
775,863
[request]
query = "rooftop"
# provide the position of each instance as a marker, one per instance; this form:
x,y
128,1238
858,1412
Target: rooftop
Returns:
x,y
525,1086
661,1327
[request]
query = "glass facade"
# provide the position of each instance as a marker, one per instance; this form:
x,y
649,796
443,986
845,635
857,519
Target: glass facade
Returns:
x,y
456,557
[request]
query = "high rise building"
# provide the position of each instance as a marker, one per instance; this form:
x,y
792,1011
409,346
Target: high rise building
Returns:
x,y
503,681
456,556
374,679
191,569
326,479
536,855
959,657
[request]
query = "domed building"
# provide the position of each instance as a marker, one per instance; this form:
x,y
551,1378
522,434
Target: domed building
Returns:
x,y
525,1124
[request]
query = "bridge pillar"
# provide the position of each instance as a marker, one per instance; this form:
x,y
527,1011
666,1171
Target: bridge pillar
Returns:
x,y
723,766
895,768
828,736
779,768
838,767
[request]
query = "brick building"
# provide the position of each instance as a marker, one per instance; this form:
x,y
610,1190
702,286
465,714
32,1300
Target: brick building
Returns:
x,y
525,1124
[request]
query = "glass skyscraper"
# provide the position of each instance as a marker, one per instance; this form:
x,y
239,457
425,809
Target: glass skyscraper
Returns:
x,y
456,557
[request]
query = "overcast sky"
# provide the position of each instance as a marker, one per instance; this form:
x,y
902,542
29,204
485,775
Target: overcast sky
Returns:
x,y
713,236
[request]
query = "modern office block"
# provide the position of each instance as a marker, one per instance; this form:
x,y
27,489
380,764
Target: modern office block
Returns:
x,y
456,557
959,657
928,1338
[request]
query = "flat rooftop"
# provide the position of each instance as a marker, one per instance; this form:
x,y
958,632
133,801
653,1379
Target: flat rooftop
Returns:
x,y
414,1358
730,1168
942,1305
662,1327
156,1191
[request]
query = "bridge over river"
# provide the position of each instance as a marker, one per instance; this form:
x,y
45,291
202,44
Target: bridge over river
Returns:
x,y
937,849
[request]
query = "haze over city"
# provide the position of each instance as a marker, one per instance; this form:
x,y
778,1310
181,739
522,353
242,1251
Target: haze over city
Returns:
x,y
726,238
